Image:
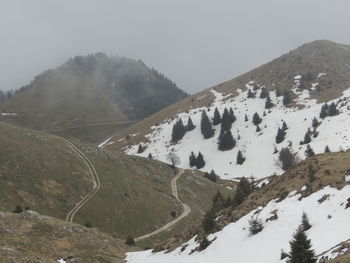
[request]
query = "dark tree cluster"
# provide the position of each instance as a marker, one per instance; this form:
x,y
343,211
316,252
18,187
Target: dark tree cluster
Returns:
x,y
264,93
256,119
307,137
251,94
206,126
226,140
198,161
309,152
287,158
211,176
255,225
330,110
268,102
179,131
240,158
281,133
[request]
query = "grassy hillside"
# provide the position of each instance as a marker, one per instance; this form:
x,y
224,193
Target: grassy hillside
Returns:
x,y
30,237
91,89
42,172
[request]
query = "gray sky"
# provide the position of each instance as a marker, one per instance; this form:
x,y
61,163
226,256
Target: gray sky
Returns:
x,y
196,43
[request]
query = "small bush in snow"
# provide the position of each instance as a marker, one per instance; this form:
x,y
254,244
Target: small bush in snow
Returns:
x,y
287,159
255,225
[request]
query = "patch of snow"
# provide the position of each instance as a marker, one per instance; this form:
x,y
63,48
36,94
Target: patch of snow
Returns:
x,y
235,242
106,142
9,114
263,183
347,178
321,75
61,261
303,188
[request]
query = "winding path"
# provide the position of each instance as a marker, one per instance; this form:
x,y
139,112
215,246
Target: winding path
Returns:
x,y
186,210
94,176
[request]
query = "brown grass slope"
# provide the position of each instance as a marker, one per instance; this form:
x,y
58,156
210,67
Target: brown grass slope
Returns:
x,y
309,60
30,238
40,171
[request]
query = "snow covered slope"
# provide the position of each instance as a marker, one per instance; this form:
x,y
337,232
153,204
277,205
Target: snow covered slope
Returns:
x,y
257,147
329,219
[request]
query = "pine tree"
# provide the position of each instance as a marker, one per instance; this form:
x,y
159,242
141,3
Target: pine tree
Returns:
x,y
200,163
244,188
211,176
268,103
286,98
326,149
217,117
257,128
255,225
309,152
250,94
263,93
150,156
256,119
179,131
287,158
190,126
240,158
130,241
226,123
226,141
232,116
307,137
245,117
333,111
140,149
284,126
301,249
280,135
305,222
206,127
315,123
18,210
324,111
218,202
193,159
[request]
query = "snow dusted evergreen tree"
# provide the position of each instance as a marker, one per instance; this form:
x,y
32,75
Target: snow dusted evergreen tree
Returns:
x,y
315,123
240,158
309,152
326,149
226,141
190,126
255,225
263,93
192,159
268,102
333,111
232,116
280,135
200,163
324,111
251,94
256,119
206,127
179,131
301,249
226,123
217,117
307,137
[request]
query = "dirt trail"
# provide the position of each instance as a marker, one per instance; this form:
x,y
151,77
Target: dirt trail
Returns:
x,y
186,210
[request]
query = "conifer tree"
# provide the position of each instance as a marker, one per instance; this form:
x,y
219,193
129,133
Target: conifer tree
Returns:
x,y
268,102
263,93
287,158
245,117
255,225
208,222
232,116
286,98
244,188
305,222
258,128
333,111
211,176
315,123
256,119
251,94
217,117
130,241
206,127
324,111
200,163
226,123
190,126
278,92
140,149
193,159
150,156
326,149
226,141
280,135
218,202
240,158
301,249
307,137
179,131
284,126
309,152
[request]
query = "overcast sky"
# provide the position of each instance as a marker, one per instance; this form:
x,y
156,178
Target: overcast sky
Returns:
x,y
196,43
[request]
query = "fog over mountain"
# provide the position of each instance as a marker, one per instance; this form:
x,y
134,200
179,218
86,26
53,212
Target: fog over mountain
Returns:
x,y
195,43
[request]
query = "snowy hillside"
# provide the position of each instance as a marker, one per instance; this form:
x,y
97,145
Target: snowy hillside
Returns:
x,y
327,214
257,147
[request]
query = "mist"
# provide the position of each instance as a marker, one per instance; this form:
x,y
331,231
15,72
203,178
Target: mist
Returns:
x,y
195,43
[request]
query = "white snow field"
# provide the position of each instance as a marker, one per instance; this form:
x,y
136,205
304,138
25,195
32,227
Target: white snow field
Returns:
x,y
329,220
257,147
